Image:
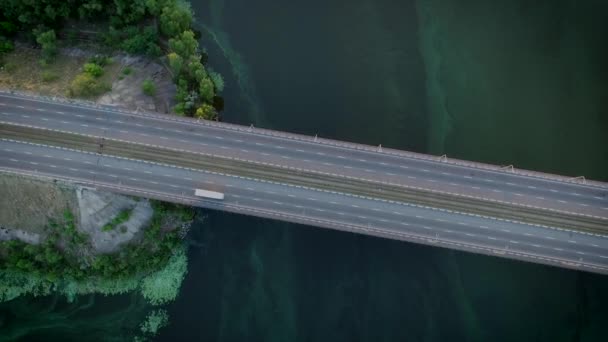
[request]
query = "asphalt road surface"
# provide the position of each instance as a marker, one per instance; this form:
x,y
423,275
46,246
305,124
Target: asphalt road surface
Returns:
x,y
571,249
277,148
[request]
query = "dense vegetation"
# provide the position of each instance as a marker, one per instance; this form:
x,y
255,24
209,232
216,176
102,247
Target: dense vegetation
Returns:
x,y
135,26
62,256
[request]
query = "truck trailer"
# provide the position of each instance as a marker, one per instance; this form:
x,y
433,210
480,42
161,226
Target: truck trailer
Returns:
x,y
208,194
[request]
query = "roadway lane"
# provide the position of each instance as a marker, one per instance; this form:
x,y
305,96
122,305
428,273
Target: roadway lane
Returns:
x,y
366,215
421,173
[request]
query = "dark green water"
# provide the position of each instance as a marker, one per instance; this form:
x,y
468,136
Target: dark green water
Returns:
x,y
508,82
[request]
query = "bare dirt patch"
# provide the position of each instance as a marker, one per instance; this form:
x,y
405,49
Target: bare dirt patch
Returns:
x,y
28,204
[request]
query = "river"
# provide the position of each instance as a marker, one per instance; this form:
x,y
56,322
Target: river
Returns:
x,y
506,82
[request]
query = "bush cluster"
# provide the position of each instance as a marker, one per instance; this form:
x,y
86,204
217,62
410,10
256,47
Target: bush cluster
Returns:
x,y
59,261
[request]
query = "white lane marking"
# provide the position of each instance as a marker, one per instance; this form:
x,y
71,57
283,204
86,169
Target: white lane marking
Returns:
x,y
113,176
484,227
509,183
540,198
576,194
583,205
256,199
552,190
469,234
453,184
321,153
491,238
392,174
68,159
80,115
531,187
579,252
347,167
462,224
144,134
535,245
153,182
506,230
513,242
549,237
13,160
425,170
476,188
40,109
311,199
468,177
88,162
411,177
426,227
496,190
164,138
597,197
250,189
362,217
44,119
328,164
319,209
341,157
332,202
173,186
246,151
419,217
290,195
224,147
148,172
354,206
528,234
560,201
571,241
445,173
73,169
277,203
133,179
53,166
518,194
432,180
558,249
84,125
265,154
93,172
107,165
124,132
25,116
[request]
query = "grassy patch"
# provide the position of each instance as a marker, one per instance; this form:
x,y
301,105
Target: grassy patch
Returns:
x,y
127,71
122,217
49,76
148,87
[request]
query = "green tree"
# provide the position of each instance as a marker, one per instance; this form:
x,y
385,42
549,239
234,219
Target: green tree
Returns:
x,y
48,42
206,90
184,44
176,62
206,112
176,17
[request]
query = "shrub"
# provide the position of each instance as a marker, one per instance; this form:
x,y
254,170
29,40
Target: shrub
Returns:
x,y
218,81
48,42
49,76
163,286
149,88
127,71
93,69
86,85
155,320
6,45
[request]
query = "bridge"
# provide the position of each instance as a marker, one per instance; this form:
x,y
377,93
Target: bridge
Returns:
x,y
439,201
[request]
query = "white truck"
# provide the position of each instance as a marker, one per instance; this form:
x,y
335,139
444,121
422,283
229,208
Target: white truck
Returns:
x,y
208,194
